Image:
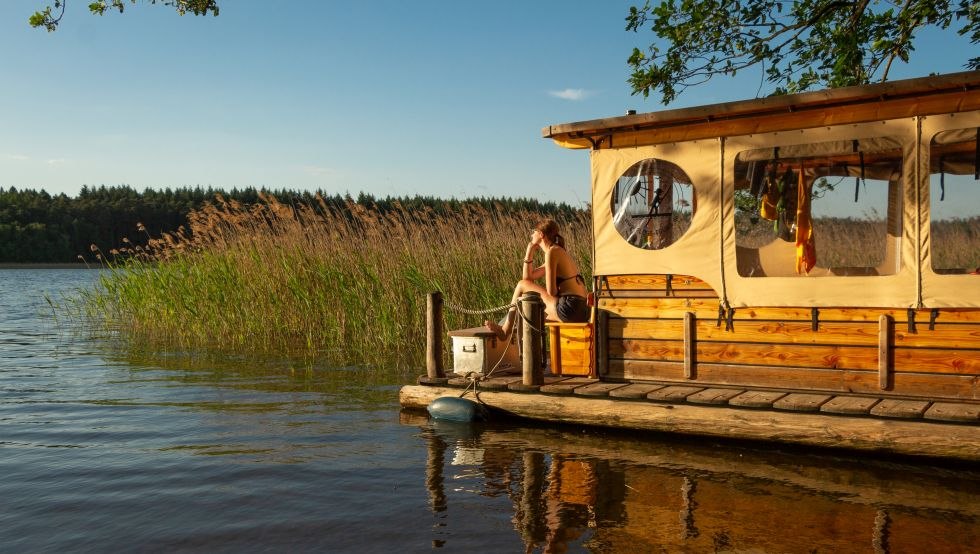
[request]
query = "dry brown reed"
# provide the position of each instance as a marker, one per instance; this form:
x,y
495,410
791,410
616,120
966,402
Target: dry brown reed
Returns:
x,y
346,285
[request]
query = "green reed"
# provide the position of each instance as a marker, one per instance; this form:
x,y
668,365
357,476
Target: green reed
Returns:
x,y
345,285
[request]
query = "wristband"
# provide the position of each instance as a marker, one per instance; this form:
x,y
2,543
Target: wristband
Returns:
x,y
528,261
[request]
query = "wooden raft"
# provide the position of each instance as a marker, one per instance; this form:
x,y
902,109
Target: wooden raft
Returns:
x,y
917,428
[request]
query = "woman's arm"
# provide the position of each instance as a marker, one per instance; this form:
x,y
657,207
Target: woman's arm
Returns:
x,y
528,271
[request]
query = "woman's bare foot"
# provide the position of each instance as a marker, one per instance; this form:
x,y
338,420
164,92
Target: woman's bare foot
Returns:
x,y
497,329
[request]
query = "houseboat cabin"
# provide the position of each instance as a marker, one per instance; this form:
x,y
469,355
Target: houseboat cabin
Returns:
x,y
826,241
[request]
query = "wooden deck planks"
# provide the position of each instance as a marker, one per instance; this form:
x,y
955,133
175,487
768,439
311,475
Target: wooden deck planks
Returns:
x,y
849,405
714,397
948,411
906,409
499,383
597,389
634,390
673,393
756,399
566,386
801,402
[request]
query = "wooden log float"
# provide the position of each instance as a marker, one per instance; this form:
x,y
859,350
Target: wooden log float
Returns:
x,y
912,438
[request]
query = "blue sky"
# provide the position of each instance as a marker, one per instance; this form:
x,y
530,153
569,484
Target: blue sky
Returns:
x,y
388,97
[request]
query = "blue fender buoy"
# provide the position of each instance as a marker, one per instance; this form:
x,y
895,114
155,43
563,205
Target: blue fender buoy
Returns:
x,y
453,408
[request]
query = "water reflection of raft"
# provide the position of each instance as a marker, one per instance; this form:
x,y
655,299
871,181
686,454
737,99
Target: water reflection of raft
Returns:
x,y
737,296
628,495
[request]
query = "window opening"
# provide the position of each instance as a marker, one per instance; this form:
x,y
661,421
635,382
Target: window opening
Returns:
x,y
954,201
653,203
817,209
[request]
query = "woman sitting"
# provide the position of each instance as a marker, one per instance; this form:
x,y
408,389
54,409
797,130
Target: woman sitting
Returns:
x,y
563,293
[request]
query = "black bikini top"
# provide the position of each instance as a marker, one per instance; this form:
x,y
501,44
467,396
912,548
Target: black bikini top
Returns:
x,y
578,276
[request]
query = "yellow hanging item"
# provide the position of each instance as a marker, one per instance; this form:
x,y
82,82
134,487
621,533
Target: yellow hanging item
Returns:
x,y
770,198
806,250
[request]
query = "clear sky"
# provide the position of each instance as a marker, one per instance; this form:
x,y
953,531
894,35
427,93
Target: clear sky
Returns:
x,y
443,98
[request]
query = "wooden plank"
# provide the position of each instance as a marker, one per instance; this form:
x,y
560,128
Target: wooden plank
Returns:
x,y
775,332
714,397
800,402
817,356
936,360
598,389
950,411
850,405
519,386
690,344
499,383
781,332
885,328
707,308
831,380
655,282
756,399
673,393
907,360
566,386
634,390
891,407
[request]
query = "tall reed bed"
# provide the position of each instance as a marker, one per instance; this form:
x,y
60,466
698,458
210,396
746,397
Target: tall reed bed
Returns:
x,y
344,285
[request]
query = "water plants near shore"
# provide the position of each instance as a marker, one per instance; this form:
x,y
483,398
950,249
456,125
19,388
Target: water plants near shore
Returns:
x,y
346,285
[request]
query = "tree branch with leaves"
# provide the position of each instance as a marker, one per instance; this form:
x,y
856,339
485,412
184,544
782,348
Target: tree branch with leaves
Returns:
x,y
798,45
51,15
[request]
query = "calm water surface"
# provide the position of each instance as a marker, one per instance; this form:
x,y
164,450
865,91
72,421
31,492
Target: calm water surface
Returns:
x,y
103,450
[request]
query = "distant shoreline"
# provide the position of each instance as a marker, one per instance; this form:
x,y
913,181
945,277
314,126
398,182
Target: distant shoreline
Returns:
x,y
50,266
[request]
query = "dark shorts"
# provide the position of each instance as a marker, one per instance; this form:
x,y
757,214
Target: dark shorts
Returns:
x,y
572,309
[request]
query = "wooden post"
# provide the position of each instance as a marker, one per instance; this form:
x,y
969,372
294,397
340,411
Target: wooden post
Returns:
x,y
602,343
532,309
690,344
433,336
885,326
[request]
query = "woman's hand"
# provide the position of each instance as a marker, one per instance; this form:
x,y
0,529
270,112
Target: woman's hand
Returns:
x,y
536,237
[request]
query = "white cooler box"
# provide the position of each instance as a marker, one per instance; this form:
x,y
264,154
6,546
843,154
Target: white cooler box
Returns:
x,y
478,350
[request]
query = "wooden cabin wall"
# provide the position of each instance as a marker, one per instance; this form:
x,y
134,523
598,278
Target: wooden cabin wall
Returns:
x,y
783,348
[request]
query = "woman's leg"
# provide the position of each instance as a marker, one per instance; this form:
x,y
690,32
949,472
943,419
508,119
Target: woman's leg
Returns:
x,y
525,285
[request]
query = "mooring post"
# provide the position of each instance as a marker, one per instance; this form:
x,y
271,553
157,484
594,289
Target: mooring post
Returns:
x,y
532,310
433,336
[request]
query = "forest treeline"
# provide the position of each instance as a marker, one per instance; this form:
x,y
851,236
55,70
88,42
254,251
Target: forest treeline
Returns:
x,y
36,227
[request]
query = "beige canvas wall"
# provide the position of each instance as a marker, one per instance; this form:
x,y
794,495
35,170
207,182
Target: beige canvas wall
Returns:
x,y
708,249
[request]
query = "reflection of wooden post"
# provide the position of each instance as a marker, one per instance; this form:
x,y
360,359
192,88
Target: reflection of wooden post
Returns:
x,y
687,508
433,335
434,464
879,537
530,518
532,310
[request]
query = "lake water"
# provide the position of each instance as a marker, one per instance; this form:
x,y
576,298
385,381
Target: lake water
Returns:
x,y
107,450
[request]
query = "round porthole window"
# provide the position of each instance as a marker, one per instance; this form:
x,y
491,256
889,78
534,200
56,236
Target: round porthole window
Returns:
x,y
653,204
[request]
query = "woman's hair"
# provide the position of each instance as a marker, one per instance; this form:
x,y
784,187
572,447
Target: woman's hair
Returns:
x,y
549,228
